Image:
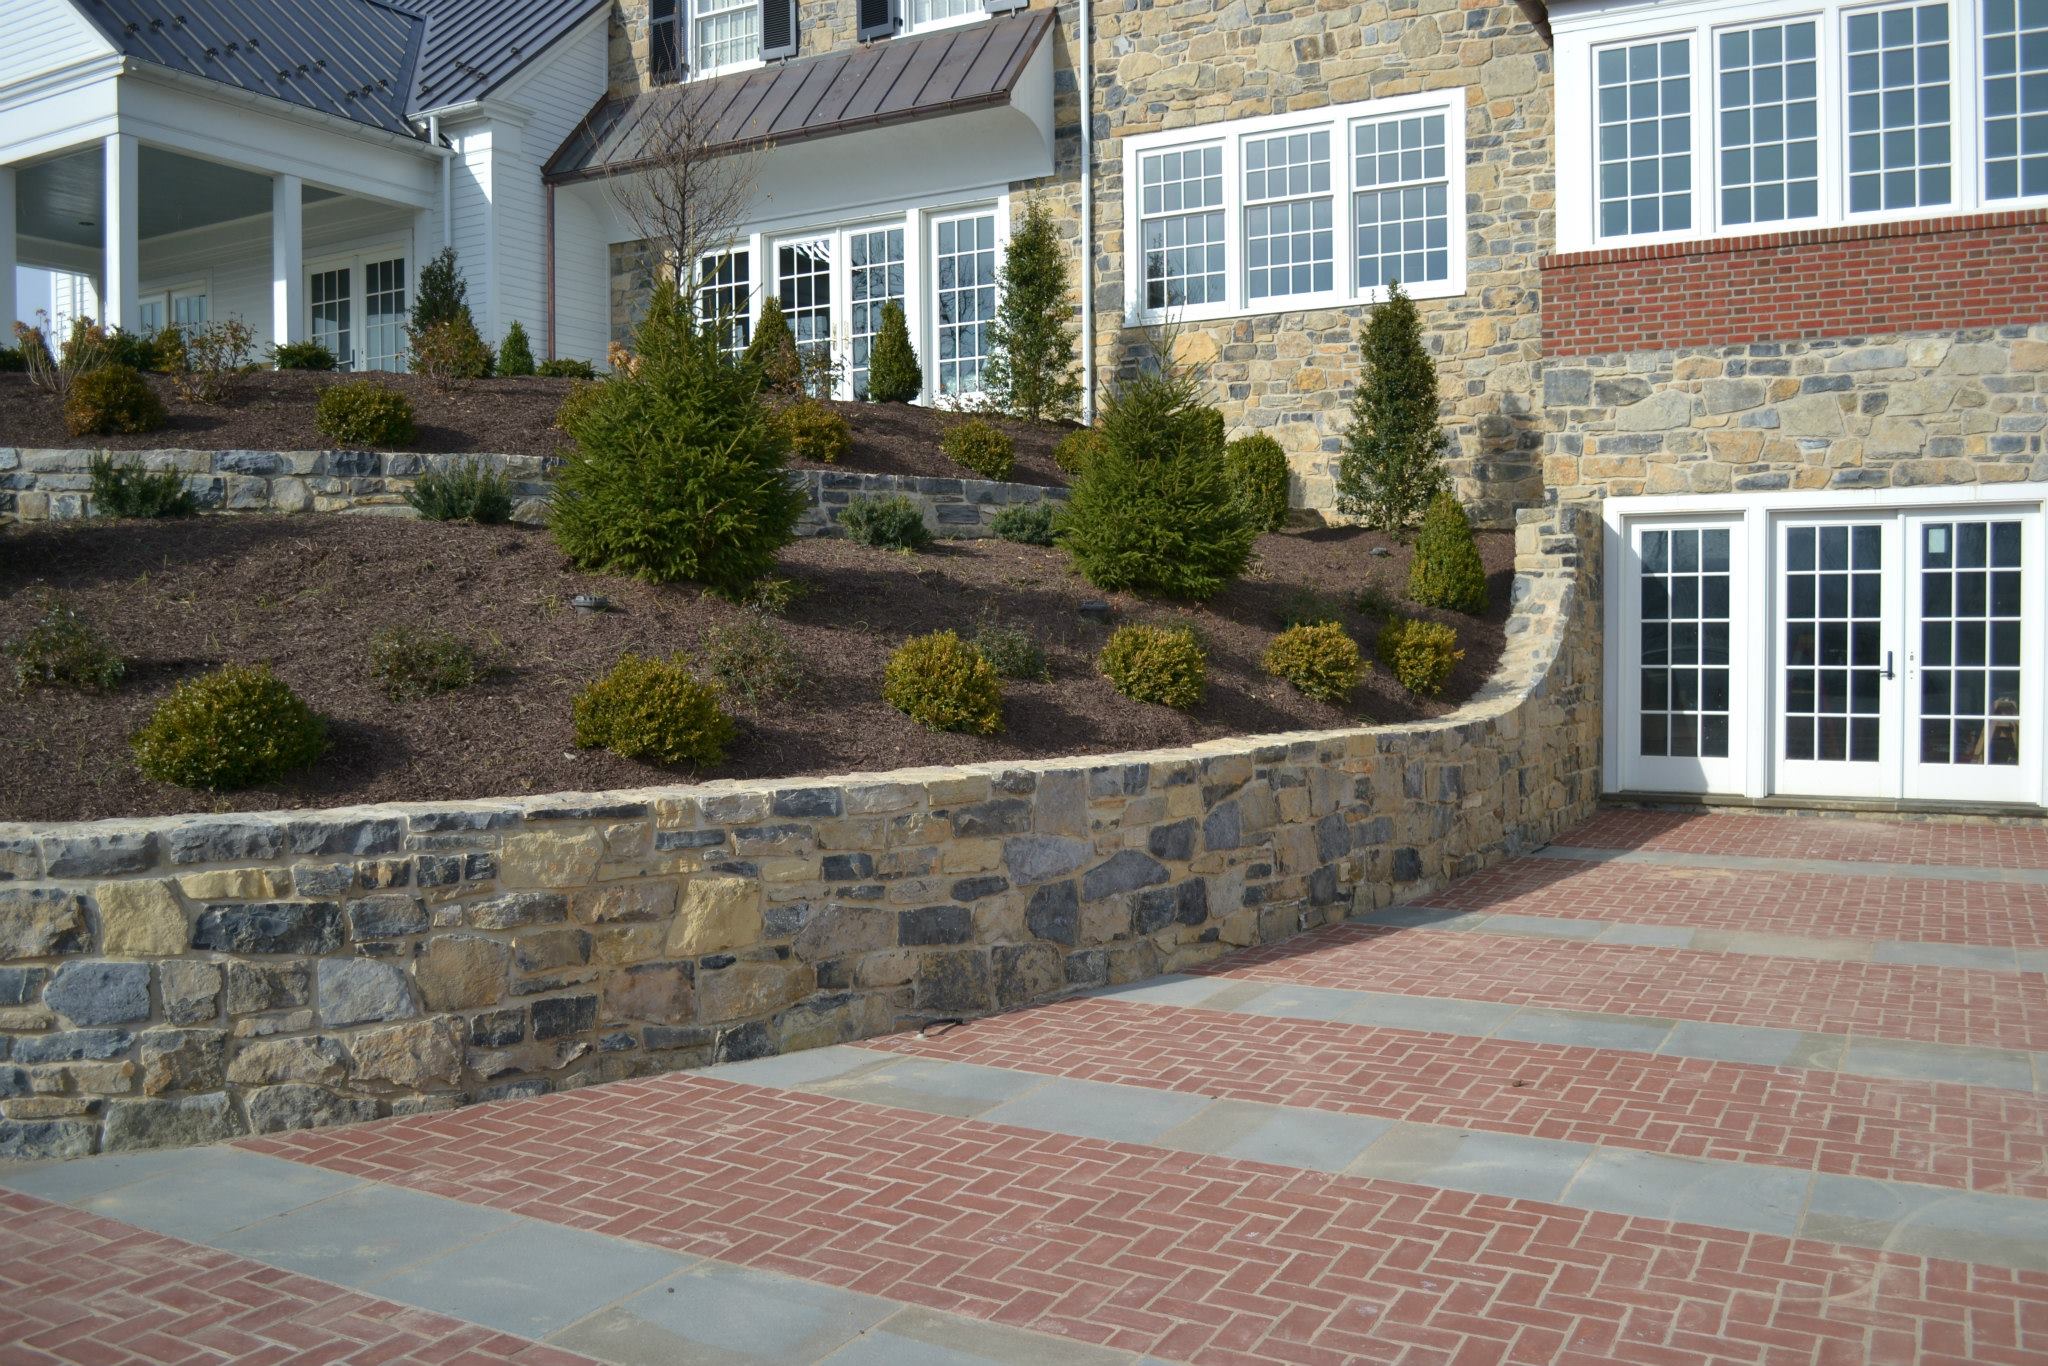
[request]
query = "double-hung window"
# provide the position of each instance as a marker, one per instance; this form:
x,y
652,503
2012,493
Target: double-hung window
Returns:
x,y
724,34
1702,118
1307,210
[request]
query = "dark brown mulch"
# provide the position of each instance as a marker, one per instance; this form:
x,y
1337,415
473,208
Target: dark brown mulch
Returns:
x,y
306,594
274,411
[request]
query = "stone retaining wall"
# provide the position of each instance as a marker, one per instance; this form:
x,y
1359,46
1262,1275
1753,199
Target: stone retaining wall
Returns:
x,y
47,485
181,980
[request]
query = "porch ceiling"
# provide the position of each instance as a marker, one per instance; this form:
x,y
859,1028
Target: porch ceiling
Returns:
x,y
60,200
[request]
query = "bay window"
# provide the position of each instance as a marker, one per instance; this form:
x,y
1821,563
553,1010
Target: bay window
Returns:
x,y
1310,210
1706,118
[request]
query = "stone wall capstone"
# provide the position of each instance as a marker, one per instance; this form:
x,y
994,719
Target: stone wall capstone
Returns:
x,y
184,980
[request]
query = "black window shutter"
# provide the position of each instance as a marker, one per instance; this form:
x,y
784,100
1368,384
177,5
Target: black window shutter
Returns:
x,y
877,19
778,28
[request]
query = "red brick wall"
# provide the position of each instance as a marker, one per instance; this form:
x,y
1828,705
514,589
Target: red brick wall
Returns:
x,y
1979,271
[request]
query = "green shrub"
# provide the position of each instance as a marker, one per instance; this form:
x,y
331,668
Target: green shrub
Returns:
x,y
677,471
112,398
442,294
235,727
814,431
1306,607
303,355
1321,661
452,353
1030,369
1025,523
894,375
126,489
131,349
62,650
408,664
1394,448
12,362
752,658
1012,649
515,357
562,367
652,709
892,523
216,356
468,492
1420,654
172,357
1257,468
1446,571
943,683
981,446
773,594
1076,449
1162,664
1153,511
364,415
772,354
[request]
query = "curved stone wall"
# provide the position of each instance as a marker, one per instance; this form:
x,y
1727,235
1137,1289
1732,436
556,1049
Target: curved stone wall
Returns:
x,y
188,979
51,485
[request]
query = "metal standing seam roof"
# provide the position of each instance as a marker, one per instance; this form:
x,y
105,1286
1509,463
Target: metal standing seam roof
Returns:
x,y
949,71
474,46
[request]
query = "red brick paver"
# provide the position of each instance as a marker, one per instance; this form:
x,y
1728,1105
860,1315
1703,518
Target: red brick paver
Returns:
x,y
78,1288
1931,1005
1194,1258
1943,1134
1934,843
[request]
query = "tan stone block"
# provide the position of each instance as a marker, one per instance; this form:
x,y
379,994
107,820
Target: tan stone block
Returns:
x,y
617,902
316,1059
1667,479
1611,467
2030,356
957,791
237,884
101,1078
716,913
746,990
971,855
627,943
141,918
48,1107
787,869
659,993
461,971
550,860
26,1018
416,1054
891,968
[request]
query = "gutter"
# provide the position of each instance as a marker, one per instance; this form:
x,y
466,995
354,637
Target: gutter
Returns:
x,y
447,180
1086,81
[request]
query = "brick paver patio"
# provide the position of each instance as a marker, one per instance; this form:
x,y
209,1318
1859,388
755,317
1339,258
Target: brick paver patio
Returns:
x,y
1681,1089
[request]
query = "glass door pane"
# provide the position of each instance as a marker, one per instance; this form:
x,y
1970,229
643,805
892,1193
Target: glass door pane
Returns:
x,y
330,300
964,297
1836,675
875,280
1970,626
803,281
1682,707
384,314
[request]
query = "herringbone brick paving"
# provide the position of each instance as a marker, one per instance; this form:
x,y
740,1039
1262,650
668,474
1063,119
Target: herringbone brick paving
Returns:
x,y
1943,1134
2018,844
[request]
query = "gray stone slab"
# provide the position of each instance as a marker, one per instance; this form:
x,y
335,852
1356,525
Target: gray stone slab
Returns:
x,y
1940,1062
2033,877
797,1070
933,1085
71,1181
363,1235
916,1336
1292,1002
1426,918
2031,960
1545,926
1752,1044
1583,1029
1745,1196
204,1201
1289,1136
1966,1226
723,1314
1175,989
1512,1165
1093,1109
1982,957
1648,936
532,1278
1439,1014
1763,945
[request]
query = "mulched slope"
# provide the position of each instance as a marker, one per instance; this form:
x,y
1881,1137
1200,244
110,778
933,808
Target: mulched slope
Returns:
x,y
274,411
306,593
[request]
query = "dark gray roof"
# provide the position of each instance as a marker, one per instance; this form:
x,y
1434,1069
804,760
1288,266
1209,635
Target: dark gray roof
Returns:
x,y
949,71
369,61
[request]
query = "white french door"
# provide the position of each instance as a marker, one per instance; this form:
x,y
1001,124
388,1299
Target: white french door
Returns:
x,y
1683,657
357,308
833,287
1973,611
1836,683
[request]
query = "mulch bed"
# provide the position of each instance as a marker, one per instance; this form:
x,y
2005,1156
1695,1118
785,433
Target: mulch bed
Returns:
x,y
274,411
306,593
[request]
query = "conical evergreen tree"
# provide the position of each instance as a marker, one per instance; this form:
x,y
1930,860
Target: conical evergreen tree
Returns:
x,y
1030,370
443,295
1447,571
894,375
1393,454
515,357
772,354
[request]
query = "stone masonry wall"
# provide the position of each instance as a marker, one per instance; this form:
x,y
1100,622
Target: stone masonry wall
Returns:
x,y
182,980
44,485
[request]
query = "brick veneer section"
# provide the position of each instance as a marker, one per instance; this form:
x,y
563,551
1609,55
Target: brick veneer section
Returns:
x,y
1983,270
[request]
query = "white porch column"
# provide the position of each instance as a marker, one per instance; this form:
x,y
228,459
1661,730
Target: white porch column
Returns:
x,y
287,260
10,306
120,225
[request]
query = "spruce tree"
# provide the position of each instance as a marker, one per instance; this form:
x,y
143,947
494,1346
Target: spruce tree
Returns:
x,y
443,294
893,372
1030,369
1393,453
515,357
772,354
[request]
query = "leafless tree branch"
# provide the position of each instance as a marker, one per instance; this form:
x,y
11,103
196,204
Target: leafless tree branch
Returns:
x,y
682,192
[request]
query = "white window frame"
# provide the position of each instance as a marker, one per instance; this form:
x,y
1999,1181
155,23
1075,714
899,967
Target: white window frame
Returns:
x,y
1582,27
1339,120
690,12
974,15
357,262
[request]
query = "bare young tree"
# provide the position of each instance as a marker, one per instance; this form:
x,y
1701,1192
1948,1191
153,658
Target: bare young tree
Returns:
x,y
684,193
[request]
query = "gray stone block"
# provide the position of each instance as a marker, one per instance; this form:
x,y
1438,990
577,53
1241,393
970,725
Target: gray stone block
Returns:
x,y
109,855
1125,871
171,1123
935,925
1041,858
99,993
360,991
269,927
73,1045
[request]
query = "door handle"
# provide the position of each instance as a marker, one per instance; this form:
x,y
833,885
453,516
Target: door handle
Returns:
x,y
1888,665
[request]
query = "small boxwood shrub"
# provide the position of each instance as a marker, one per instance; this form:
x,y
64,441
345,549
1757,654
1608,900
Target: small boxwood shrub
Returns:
x,y
1162,664
1025,523
233,728
515,356
408,664
125,489
1321,661
451,353
981,446
62,650
752,658
1073,452
892,523
1447,571
1420,654
943,683
113,398
1257,468
1012,649
363,414
652,709
303,355
468,492
565,367
815,432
